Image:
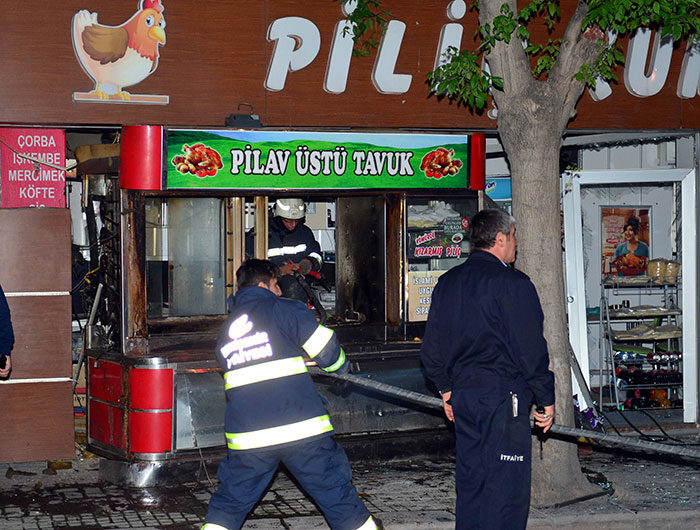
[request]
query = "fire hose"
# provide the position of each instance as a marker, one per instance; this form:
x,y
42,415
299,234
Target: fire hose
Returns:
x,y
436,403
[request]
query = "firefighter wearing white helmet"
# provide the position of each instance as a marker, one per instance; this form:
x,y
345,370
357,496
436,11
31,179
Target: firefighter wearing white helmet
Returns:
x,y
290,208
291,245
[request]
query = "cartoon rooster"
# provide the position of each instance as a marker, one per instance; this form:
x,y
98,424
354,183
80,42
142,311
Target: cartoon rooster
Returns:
x,y
121,56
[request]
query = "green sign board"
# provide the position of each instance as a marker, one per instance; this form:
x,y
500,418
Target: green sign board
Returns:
x,y
229,159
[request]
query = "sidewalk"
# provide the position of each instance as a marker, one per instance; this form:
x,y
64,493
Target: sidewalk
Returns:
x,y
417,494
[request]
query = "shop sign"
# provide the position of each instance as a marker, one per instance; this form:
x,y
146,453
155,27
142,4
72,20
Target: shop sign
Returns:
x,y
445,243
27,183
115,57
298,43
499,189
228,159
420,291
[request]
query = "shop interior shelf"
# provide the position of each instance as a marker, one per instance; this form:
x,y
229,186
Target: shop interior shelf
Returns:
x,y
640,330
625,336
613,407
630,314
635,281
650,387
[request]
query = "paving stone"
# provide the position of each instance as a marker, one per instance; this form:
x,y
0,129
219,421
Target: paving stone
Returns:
x,y
648,492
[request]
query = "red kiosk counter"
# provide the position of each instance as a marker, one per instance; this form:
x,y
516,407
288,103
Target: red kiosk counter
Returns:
x,y
390,212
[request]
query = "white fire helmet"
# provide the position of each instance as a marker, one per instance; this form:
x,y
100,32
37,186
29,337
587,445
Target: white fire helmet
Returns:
x,y
290,208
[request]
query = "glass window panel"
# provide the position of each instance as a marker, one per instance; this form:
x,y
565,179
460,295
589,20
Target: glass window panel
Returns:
x,y
185,257
437,241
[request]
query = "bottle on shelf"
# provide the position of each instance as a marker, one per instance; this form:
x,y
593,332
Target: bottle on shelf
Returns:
x,y
658,394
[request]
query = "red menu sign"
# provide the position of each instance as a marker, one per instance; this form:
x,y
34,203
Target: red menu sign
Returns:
x,y
27,182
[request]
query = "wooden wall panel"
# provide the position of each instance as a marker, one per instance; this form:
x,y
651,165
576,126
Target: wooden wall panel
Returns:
x,y
35,257
37,421
35,249
42,326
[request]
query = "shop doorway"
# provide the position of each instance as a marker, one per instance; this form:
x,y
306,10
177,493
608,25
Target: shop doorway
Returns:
x,y
670,197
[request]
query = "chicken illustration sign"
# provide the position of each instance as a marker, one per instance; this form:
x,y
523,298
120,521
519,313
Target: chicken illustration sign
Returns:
x,y
119,56
227,159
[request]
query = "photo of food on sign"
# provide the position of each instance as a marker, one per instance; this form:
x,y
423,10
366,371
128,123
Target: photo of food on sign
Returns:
x,y
439,163
199,160
625,241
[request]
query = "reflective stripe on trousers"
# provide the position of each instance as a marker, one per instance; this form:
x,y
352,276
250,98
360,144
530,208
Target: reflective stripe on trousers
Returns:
x,y
369,525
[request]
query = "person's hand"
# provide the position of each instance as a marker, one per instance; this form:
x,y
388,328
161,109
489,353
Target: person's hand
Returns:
x,y
8,367
545,419
305,266
289,268
448,408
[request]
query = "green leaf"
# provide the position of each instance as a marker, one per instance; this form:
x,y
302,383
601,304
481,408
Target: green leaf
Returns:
x,y
522,33
677,33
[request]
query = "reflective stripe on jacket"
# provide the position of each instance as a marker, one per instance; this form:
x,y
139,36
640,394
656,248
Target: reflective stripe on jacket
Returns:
x,y
300,243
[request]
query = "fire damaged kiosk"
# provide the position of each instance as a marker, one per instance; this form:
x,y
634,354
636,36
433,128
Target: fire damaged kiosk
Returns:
x,y
390,212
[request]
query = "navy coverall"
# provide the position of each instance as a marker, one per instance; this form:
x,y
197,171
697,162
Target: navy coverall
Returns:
x,y
7,336
484,343
274,413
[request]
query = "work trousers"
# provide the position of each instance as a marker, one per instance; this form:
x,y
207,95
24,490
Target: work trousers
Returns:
x,y
321,468
493,459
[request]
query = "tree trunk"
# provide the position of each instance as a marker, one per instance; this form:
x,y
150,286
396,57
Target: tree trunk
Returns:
x,y
532,119
556,474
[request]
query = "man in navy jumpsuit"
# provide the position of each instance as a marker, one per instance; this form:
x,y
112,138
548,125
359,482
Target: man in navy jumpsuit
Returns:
x,y
485,351
274,413
7,336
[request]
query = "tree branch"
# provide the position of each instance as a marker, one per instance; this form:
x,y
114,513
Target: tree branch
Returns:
x,y
577,48
506,60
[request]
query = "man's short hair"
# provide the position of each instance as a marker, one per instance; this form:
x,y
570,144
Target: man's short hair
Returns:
x,y
254,271
486,225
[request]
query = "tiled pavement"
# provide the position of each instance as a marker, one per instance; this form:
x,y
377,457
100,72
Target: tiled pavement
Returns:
x,y
419,494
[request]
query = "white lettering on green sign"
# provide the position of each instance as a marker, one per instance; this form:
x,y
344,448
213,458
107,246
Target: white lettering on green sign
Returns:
x,y
321,161
376,162
249,160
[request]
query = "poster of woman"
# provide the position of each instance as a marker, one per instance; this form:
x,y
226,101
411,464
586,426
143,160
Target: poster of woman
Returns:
x,y
625,244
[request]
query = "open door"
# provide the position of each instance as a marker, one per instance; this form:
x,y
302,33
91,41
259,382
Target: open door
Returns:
x,y
583,264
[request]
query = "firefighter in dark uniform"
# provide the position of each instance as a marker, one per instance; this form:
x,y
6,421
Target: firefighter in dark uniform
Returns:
x,y
291,246
485,351
274,413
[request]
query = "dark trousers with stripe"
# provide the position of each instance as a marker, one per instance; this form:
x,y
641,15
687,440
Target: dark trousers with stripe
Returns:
x,y
319,465
493,459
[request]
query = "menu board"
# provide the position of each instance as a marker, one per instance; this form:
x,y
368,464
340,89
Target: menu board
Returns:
x,y
420,292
